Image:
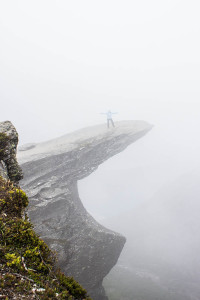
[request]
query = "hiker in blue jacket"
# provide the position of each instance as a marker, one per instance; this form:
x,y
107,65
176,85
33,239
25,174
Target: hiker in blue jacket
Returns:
x,y
109,118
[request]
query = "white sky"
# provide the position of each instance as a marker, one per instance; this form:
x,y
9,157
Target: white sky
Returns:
x,y
63,62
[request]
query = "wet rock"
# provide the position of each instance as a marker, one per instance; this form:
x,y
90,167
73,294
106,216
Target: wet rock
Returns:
x,y
86,250
9,168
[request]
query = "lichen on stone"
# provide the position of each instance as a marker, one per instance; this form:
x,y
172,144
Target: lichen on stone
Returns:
x,y
8,148
27,264
4,141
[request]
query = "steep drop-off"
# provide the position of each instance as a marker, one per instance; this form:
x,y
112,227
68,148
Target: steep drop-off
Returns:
x,y
87,250
161,257
27,265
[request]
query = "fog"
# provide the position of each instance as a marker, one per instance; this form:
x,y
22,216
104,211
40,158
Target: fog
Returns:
x,y
62,63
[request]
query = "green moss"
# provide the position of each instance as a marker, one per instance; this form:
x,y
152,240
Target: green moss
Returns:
x,y
12,200
22,252
4,139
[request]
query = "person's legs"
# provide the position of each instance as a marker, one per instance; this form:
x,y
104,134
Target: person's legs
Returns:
x,y
112,122
108,123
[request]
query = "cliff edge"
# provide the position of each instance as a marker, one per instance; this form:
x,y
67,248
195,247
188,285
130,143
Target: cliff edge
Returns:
x,y
87,251
27,265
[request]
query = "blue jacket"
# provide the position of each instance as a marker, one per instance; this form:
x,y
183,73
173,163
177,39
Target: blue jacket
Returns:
x,y
109,114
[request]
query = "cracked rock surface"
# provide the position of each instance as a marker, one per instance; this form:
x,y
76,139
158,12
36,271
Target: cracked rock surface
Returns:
x,y
86,250
9,168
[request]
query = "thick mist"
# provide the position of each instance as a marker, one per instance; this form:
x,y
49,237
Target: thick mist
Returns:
x,y
150,193
62,63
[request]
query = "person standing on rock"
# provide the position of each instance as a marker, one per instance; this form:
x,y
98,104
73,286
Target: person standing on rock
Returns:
x,y
109,118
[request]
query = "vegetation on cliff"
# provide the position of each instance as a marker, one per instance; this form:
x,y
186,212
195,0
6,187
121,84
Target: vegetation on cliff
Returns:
x,y
27,264
8,146
4,139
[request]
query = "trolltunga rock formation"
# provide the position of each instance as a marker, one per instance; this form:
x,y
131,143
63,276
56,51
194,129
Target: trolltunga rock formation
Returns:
x,y
86,250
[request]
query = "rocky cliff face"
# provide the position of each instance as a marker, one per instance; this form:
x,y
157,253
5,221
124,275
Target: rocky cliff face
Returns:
x,y
9,168
87,250
28,268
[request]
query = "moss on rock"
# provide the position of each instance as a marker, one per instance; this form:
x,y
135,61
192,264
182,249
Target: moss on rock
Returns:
x,y
27,264
4,140
8,148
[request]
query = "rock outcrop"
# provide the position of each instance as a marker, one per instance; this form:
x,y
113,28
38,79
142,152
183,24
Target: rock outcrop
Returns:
x,y
87,250
9,168
27,265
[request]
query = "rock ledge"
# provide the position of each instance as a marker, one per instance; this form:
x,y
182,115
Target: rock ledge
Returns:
x,y
87,250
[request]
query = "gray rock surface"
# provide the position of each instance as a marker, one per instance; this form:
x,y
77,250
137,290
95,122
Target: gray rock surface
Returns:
x,y
87,250
9,168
